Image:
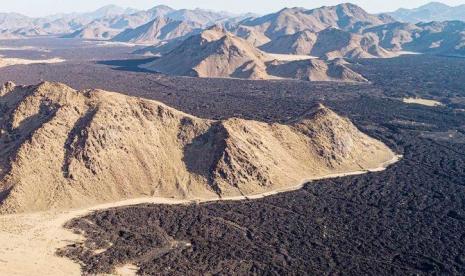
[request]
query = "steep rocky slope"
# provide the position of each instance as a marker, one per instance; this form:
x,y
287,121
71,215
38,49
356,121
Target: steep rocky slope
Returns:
x,y
62,148
394,35
300,43
250,34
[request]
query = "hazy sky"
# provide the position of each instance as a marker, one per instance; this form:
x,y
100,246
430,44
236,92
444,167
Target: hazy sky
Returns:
x,y
46,7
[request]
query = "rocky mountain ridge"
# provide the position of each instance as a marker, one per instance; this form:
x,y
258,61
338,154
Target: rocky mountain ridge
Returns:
x,y
110,147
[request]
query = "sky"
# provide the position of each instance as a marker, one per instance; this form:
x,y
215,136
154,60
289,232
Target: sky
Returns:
x,y
47,7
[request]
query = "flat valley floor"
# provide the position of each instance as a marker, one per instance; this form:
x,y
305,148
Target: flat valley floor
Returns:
x,y
408,219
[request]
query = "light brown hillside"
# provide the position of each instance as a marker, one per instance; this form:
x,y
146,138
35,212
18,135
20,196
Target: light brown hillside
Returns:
x,y
62,148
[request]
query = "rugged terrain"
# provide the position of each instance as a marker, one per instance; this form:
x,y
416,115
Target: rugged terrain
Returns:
x,y
405,220
106,22
342,31
220,54
289,21
24,26
355,32
109,147
330,43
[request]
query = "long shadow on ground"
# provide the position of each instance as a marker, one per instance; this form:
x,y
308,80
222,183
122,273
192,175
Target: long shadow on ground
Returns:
x,y
131,65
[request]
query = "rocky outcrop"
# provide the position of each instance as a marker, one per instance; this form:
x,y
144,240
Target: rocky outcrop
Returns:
x,y
63,148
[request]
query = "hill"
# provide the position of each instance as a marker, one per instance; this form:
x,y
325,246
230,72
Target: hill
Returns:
x,y
109,147
213,53
299,43
442,38
217,53
289,21
94,31
433,11
329,43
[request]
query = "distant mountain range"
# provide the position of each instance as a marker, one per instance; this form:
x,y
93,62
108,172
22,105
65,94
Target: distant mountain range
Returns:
x,y
106,22
251,48
13,25
347,17
153,25
106,11
328,33
433,11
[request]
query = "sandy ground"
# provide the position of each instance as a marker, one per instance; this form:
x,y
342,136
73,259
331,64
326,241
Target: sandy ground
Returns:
x,y
4,62
115,44
127,270
403,53
282,57
24,48
422,101
29,241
